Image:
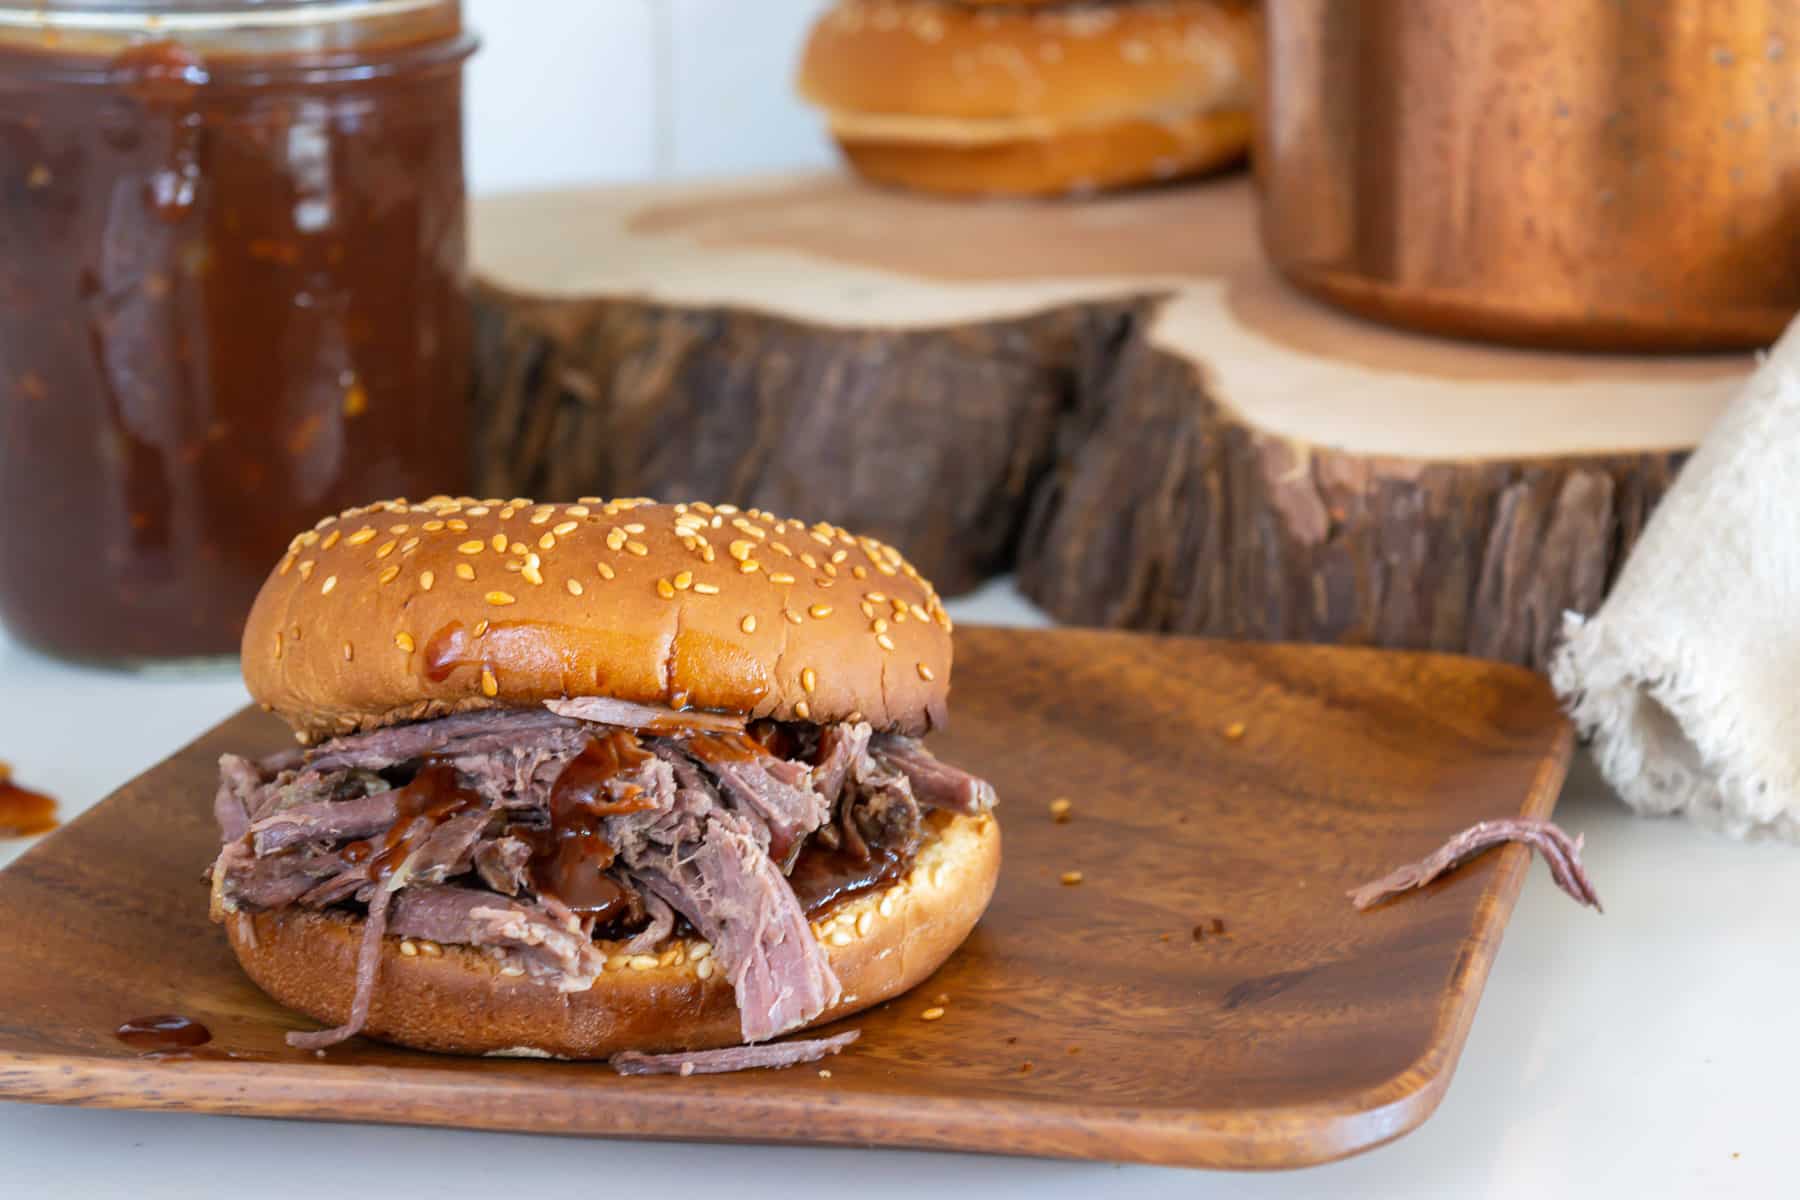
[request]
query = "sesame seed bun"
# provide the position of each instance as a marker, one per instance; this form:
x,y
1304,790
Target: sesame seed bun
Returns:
x,y
456,998
682,605
1033,100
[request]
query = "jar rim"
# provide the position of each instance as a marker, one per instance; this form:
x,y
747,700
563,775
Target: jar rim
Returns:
x,y
160,16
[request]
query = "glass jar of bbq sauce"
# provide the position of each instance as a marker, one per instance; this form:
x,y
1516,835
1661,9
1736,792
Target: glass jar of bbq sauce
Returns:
x,y
232,299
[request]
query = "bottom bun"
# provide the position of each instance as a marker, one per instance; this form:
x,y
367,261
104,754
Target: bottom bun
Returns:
x,y
1071,162
457,999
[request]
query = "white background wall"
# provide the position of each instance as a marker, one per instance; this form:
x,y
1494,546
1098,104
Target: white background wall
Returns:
x,y
574,91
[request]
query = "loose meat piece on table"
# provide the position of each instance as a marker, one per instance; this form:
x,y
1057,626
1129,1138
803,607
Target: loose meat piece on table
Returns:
x,y
732,1058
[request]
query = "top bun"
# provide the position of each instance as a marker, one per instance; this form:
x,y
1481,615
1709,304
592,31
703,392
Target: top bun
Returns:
x,y
923,70
400,611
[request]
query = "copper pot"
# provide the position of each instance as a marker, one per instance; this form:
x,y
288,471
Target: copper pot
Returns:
x,y
1582,173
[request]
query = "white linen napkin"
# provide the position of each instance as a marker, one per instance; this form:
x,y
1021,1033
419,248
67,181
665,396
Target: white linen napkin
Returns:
x,y
1688,678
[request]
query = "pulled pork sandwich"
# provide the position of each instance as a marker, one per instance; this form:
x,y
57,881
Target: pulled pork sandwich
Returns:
x,y
587,779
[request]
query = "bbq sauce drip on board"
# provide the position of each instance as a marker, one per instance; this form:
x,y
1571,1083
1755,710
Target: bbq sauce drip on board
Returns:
x,y
23,812
163,1032
569,859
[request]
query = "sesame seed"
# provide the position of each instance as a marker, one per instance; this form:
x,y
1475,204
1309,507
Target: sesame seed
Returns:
x,y
431,950
704,969
404,641
465,572
519,548
877,597
926,673
820,611
532,574
840,938
934,1013
500,599
818,537
707,553
637,548
707,589
886,907
781,548
780,577
838,556
330,582
865,921
577,510
812,564
605,570
386,549
286,563
642,962
331,539
542,516
1059,809
512,971
478,510
884,641
388,574
859,572
426,579
472,547
749,567
547,542
855,716
741,549
1071,878
665,589
684,580
409,950
506,514
792,616
498,542
349,652
365,534
919,613
1233,731
278,645
803,710
490,687
432,526
727,509
409,545
457,525
574,586
878,625
481,627
809,679
565,527
748,624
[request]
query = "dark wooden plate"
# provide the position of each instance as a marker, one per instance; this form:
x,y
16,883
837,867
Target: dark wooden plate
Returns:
x,y
1205,996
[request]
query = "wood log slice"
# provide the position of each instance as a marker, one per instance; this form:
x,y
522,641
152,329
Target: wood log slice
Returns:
x,y
1116,398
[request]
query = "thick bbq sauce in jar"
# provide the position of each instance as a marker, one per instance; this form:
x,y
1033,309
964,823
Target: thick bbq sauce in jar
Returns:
x,y
232,299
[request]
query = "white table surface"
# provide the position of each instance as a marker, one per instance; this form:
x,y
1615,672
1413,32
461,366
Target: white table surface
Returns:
x,y
1648,1052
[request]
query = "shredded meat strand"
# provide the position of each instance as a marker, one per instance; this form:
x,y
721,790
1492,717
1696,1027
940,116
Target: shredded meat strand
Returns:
x,y
368,963
1562,854
732,1058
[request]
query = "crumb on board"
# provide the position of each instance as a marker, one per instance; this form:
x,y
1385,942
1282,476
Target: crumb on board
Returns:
x,y
1071,878
1025,1069
1060,809
1233,731
824,1073
941,998
935,1012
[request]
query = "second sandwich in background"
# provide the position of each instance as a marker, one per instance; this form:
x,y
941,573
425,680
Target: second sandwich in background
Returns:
x,y
1026,99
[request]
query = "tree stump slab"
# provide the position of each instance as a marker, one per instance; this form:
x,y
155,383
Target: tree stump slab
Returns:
x,y
1116,398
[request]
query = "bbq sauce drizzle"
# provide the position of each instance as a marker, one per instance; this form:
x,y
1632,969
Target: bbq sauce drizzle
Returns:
x,y
570,857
